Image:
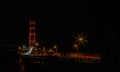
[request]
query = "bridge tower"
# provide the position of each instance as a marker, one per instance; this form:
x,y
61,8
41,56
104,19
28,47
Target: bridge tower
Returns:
x,y
32,32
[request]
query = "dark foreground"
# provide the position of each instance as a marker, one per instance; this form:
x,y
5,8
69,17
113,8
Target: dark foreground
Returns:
x,y
55,64
9,63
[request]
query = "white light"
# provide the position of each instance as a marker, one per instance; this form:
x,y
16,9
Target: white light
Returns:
x,y
80,39
55,46
36,44
75,45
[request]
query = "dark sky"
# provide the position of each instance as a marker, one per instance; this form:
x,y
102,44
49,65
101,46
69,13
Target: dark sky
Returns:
x,y
50,21
55,24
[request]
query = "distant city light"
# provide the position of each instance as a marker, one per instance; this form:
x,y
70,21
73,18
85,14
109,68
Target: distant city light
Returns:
x,y
55,46
75,45
36,44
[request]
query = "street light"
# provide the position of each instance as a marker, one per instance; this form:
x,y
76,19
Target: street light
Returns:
x,y
80,40
76,46
55,47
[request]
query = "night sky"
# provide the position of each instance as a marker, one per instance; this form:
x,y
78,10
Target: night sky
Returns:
x,y
56,24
